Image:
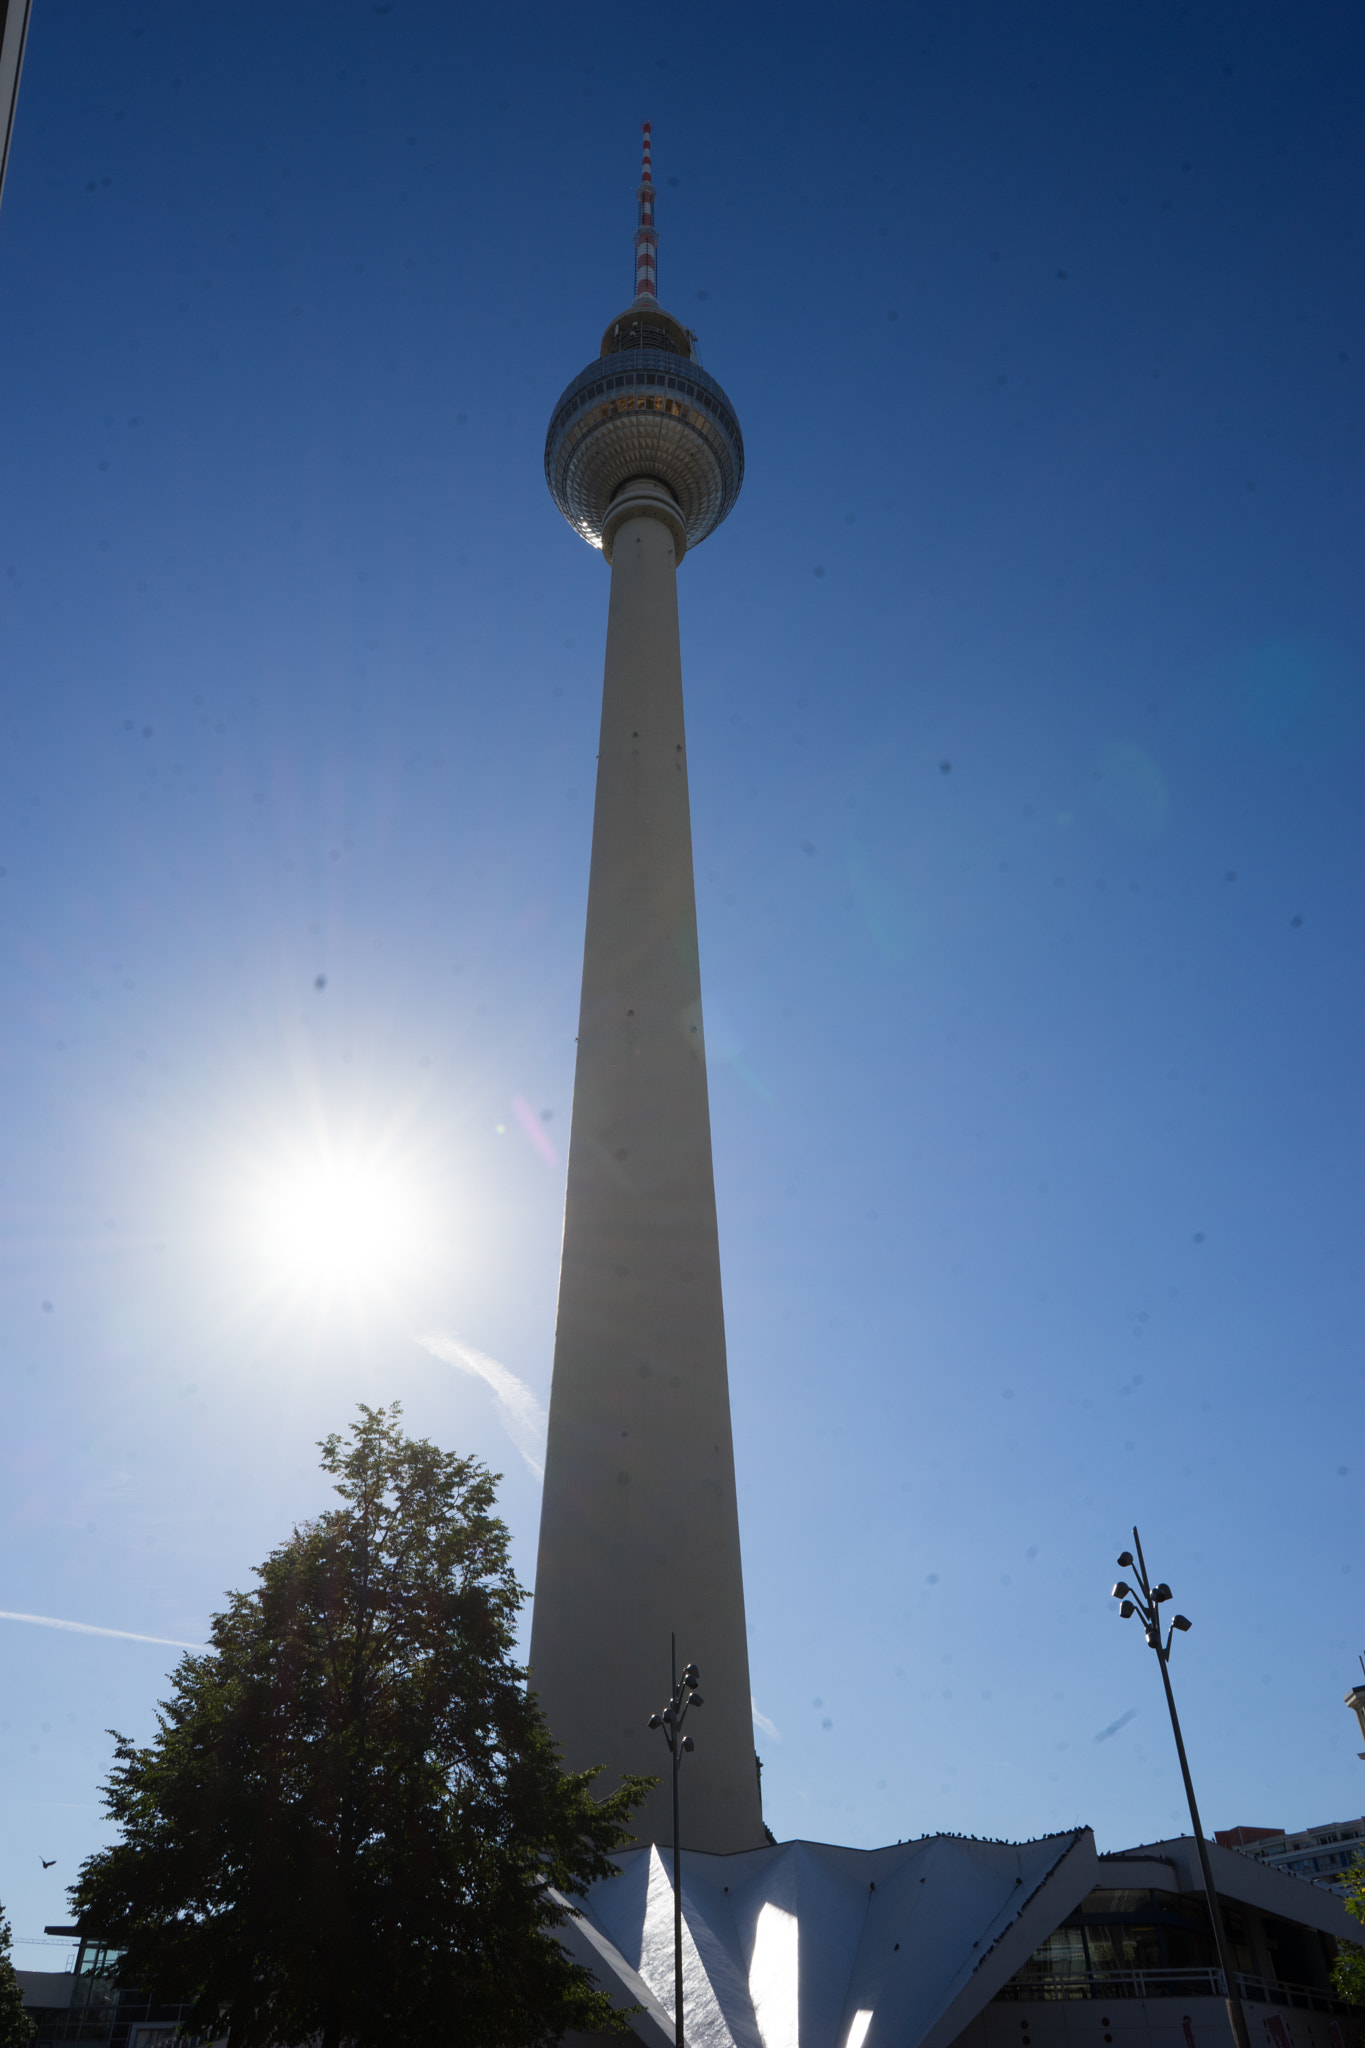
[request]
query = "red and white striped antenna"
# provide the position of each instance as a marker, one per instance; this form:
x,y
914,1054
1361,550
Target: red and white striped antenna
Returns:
x,y
646,240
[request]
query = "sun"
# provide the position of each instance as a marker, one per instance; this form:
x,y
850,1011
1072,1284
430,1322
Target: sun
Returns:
x,y
325,1223
333,1225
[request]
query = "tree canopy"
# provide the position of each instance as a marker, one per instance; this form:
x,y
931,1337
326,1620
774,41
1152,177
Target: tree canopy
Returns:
x,y
352,1823
16,2028
1348,1973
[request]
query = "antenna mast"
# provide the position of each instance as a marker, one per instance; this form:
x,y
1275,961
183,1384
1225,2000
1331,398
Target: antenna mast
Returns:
x,y
646,240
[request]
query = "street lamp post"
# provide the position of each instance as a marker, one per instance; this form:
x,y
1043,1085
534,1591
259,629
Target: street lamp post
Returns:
x,y
683,1696
1145,1600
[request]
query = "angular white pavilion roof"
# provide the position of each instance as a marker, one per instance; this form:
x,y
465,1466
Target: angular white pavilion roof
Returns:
x,y
805,1945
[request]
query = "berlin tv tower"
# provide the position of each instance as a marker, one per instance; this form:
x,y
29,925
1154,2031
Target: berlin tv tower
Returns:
x,y
639,1533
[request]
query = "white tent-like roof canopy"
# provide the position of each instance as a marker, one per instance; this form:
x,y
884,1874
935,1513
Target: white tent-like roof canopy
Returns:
x,y
809,1946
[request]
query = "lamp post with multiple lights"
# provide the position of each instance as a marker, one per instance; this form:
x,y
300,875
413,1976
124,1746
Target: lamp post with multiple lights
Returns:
x,y
13,35
1146,1601
683,1696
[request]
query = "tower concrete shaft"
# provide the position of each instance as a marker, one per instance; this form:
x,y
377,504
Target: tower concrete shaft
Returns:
x,y
639,1531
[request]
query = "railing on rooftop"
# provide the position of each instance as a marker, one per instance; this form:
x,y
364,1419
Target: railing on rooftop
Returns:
x,y
1188,1983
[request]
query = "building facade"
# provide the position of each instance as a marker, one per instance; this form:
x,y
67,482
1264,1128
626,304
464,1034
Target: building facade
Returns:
x,y
1135,1963
1323,1854
946,1942
88,2006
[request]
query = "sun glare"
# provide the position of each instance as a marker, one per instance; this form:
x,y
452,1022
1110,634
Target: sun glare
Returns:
x,y
332,1221
334,1228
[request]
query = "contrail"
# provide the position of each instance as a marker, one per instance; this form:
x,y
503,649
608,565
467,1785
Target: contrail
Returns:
x,y
522,1415
761,1720
88,1628
1114,1726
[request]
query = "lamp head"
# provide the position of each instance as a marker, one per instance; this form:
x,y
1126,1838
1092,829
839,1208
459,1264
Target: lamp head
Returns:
x,y
688,1744
1162,1592
1127,1609
1181,1623
655,1722
1121,1591
1125,1559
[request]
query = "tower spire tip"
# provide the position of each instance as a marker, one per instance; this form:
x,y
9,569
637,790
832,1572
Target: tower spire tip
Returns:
x,y
646,240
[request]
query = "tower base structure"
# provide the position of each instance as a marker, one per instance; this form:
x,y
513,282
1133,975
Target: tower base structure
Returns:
x,y
950,1942
809,1946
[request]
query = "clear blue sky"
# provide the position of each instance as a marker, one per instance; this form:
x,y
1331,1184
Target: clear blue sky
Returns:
x,y
1027,716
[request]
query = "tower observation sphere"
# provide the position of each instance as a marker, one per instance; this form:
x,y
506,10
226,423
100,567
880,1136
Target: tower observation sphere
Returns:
x,y
645,410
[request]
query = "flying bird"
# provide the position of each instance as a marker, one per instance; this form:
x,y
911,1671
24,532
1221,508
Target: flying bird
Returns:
x,y
47,1862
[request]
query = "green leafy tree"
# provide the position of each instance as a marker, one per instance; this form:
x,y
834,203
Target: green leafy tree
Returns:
x,y
1348,1972
352,1826
16,2028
